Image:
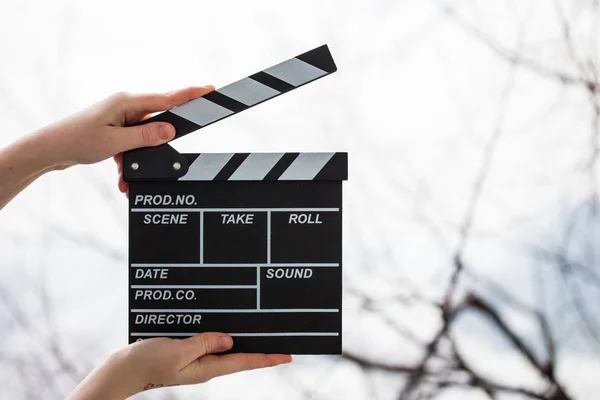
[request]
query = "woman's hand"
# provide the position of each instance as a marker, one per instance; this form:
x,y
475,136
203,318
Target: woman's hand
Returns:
x,y
92,135
160,362
103,130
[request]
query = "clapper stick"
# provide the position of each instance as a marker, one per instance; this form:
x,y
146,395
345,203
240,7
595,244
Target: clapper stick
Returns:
x,y
164,162
249,244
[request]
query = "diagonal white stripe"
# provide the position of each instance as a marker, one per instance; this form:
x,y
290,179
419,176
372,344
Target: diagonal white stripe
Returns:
x,y
256,166
201,111
306,166
295,72
206,166
248,91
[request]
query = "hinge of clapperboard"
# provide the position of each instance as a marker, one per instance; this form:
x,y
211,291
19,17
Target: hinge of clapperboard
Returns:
x,y
165,163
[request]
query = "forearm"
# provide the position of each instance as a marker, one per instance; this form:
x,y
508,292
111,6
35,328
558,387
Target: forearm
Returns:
x,y
25,160
112,380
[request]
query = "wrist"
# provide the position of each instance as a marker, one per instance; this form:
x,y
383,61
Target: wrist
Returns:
x,y
30,157
114,379
44,151
119,378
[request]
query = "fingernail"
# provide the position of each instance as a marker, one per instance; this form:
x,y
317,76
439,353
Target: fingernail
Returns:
x,y
225,342
166,132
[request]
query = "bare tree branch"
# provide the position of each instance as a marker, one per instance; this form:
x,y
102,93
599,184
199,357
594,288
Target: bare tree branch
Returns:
x,y
545,369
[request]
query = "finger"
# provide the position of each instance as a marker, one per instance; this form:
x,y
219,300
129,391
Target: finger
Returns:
x,y
119,160
200,345
213,366
146,135
149,103
123,186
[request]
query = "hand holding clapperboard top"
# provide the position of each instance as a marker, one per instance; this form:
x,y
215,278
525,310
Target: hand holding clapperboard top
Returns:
x,y
246,244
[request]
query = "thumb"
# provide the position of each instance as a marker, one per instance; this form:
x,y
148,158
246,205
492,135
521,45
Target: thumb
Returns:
x,y
202,344
145,135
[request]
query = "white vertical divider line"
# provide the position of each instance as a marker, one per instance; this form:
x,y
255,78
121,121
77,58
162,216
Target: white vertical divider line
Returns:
x,y
258,287
201,237
269,237
268,259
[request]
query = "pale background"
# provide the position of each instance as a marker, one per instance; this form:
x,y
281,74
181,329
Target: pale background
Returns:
x,y
473,130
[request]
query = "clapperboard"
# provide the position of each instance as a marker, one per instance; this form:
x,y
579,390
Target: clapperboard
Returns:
x,y
247,244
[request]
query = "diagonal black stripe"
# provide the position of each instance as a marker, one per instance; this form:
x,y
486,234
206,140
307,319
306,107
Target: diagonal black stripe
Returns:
x,y
231,166
320,58
279,168
191,157
272,82
336,169
225,101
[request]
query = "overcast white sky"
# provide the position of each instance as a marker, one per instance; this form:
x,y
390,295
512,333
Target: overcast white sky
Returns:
x,y
414,102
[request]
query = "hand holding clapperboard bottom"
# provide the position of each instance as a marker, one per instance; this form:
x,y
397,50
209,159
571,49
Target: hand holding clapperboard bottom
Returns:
x,y
245,244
